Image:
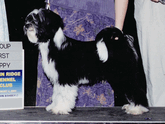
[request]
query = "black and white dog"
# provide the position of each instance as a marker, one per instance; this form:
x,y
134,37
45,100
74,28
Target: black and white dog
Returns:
x,y
69,63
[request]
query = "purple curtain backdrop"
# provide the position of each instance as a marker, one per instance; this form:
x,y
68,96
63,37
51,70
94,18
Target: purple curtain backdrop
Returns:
x,y
99,7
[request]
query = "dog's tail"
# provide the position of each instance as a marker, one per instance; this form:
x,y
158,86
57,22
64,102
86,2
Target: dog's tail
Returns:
x,y
102,50
112,39
104,42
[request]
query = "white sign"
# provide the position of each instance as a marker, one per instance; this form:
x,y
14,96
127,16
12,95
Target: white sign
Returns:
x,y
11,75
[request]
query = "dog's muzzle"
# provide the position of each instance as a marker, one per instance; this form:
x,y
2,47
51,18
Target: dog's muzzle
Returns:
x,y
30,31
28,27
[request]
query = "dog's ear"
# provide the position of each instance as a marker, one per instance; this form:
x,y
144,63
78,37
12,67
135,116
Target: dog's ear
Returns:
x,y
49,24
41,15
50,18
50,27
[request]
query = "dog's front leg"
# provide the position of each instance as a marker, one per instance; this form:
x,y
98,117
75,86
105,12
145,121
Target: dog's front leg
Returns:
x,y
63,99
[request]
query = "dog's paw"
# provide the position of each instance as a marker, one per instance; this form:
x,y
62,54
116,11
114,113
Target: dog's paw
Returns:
x,y
59,109
49,107
134,110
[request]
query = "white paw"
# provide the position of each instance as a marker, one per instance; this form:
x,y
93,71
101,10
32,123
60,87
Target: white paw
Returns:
x,y
63,99
49,107
134,110
58,109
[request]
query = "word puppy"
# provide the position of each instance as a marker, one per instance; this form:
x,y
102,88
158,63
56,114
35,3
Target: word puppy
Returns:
x,y
69,63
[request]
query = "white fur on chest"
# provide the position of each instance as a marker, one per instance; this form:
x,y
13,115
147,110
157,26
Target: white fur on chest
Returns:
x,y
48,65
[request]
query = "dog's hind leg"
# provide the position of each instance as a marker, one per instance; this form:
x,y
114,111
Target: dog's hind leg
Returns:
x,y
63,99
137,102
128,95
134,109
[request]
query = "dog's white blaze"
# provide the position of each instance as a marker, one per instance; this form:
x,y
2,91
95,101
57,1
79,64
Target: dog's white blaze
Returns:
x,y
59,38
48,66
83,81
102,50
31,34
63,99
134,110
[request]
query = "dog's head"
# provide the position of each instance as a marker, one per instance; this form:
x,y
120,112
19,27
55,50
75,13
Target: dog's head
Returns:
x,y
42,25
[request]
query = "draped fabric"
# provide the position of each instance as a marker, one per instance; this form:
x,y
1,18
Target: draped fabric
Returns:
x,y
99,7
4,36
150,18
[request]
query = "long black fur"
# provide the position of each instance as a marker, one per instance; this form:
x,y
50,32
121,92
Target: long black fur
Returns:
x,y
76,60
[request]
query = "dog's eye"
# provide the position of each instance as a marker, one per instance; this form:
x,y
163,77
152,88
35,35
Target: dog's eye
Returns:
x,y
28,26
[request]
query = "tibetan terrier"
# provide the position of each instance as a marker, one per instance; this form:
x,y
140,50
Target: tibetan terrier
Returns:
x,y
69,63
